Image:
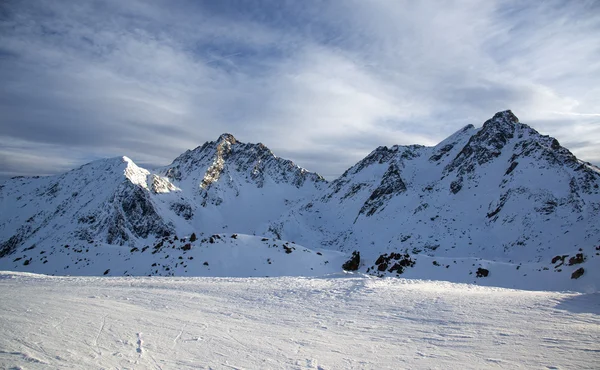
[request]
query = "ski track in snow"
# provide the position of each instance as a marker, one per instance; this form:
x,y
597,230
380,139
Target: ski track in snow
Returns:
x,y
100,330
336,322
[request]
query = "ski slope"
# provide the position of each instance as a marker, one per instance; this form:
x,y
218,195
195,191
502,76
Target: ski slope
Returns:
x,y
335,322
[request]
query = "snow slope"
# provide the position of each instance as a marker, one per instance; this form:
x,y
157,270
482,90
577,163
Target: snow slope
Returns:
x,y
356,322
214,255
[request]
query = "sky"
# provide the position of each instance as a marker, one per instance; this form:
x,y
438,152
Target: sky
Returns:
x,y
322,83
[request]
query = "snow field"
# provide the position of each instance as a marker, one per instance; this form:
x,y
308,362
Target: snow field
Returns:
x,y
335,322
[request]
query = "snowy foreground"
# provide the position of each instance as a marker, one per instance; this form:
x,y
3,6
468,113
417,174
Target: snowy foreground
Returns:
x,y
336,322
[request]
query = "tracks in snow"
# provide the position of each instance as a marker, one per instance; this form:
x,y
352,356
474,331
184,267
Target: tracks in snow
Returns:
x,y
178,337
100,330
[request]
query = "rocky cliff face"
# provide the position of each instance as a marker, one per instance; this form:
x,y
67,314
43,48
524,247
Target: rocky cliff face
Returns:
x,y
228,157
228,185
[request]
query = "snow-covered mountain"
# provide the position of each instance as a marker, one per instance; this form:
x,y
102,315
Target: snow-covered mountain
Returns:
x,y
226,185
500,195
108,200
500,204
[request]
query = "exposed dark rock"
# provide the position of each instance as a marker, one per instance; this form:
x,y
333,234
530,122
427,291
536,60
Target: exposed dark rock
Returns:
x,y
398,268
390,186
577,259
403,261
547,207
501,202
456,185
510,169
441,152
106,272
182,209
353,263
559,258
481,272
486,144
577,273
132,212
10,245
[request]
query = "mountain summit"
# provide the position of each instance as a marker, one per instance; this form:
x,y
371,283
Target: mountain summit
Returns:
x,y
500,198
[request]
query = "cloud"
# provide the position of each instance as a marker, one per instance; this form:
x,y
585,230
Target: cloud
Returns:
x,y
321,83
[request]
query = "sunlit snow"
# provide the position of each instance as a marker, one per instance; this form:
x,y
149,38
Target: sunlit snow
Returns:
x,y
334,322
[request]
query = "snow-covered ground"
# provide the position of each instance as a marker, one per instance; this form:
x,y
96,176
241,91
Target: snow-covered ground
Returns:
x,y
335,322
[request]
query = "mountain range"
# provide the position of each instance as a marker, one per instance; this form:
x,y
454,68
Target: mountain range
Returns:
x,y
499,205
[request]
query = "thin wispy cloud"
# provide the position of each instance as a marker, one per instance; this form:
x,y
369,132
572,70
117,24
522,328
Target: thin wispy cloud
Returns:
x,y
321,83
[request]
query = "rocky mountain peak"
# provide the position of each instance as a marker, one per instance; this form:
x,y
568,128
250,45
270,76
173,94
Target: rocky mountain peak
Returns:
x,y
486,144
505,116
226,137
504,121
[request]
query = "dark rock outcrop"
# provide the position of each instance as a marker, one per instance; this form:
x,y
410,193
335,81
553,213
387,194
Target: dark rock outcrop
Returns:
x,y
577,273
481,272
353,263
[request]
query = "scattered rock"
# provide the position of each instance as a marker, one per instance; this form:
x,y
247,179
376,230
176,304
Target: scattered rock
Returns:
x,y
579,258
214,238
577,273
398,268
385,260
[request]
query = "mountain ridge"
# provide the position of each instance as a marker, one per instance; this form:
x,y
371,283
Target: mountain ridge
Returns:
x,y
502,193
